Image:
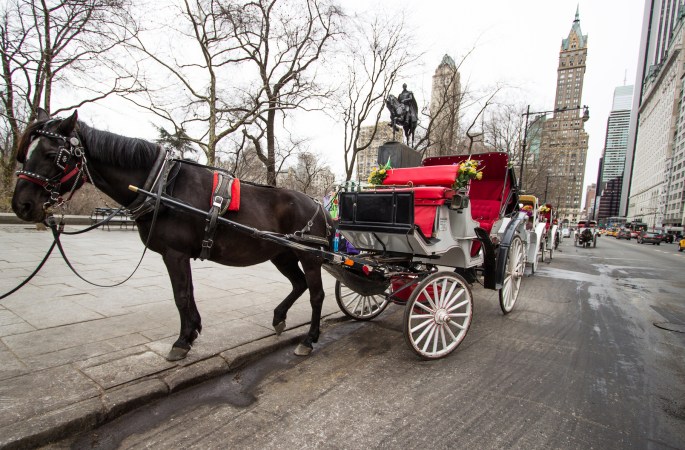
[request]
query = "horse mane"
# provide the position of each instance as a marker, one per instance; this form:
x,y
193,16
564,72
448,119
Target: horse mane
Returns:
x,y
117,150
103,146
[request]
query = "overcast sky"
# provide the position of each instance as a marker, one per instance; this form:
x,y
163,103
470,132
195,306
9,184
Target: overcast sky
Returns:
x,y
515,42
518,43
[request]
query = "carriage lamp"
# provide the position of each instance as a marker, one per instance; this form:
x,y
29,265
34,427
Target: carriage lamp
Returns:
x,y
459,201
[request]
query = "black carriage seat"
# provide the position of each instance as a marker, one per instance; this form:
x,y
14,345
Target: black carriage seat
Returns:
x,y
491,196
432,187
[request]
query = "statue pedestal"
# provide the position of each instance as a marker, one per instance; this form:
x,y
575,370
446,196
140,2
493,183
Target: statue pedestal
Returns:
x,y
400,155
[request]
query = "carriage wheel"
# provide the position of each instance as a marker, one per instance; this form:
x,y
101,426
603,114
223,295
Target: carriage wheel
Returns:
x,y
552,247
438,315
514,268
358,306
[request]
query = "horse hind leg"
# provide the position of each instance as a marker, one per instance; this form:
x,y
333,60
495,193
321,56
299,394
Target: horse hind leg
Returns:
x,y
287,264
178,266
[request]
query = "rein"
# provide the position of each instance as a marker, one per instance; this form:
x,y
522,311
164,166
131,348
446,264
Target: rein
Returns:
x,y
72,149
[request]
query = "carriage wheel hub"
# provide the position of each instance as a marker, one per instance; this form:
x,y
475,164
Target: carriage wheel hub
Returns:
x,y
442,317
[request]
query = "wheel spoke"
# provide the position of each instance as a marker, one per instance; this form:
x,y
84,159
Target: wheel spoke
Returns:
x,y
449,331
442,335
459,315
436,337
424,307
430,326
355,298
454,299
429,298
428,339
459,305
421,325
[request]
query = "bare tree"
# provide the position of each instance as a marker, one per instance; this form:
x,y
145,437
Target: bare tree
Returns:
x,y
252,61
377,53
198,93
281,40
50,46
309,175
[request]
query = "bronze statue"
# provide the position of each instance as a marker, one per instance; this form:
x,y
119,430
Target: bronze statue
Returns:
x,y
403,111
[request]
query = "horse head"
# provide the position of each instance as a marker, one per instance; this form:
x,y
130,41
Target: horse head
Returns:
x,y
52,159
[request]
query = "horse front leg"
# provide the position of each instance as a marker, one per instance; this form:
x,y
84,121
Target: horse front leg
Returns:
x,y
178,267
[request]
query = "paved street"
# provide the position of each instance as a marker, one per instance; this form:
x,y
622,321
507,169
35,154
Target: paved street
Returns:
x,y
585,360
72,355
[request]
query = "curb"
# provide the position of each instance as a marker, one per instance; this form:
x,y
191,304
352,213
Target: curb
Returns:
x,y
93,412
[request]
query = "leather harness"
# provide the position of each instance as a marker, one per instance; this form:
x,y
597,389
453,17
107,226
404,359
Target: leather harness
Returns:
x,y
223,189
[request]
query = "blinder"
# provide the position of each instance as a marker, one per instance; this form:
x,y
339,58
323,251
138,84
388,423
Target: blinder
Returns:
x,y
70,159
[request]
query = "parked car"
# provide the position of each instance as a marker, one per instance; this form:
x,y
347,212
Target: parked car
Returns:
x,y
681,245
648,237
623,234
565,233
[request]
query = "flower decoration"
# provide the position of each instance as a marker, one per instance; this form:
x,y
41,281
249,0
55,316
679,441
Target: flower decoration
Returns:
x,y
544,209
468,170
378,174
528,210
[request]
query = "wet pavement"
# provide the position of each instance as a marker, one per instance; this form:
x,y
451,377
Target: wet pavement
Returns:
x,y
73,355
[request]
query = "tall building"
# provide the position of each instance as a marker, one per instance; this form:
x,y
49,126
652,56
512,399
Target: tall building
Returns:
x,y
614,156
368,159
564,142
444,109
588,209
654,193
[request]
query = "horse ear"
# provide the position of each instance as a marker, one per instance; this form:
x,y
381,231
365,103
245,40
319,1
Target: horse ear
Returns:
x,y
42,114
68,124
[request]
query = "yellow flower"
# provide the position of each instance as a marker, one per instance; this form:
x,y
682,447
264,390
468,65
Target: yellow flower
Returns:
x,y
479,175
382,171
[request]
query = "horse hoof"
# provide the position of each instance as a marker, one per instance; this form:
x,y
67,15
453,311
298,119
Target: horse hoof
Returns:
x,y
279,327
177,353
302,350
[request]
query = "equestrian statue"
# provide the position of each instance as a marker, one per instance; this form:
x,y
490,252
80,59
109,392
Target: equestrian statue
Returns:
x,y
403,111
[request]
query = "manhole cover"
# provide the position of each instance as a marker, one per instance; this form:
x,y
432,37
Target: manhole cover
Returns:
x,y
677,327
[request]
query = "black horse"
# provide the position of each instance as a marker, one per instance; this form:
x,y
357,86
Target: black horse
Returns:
x,y
400,114
112,162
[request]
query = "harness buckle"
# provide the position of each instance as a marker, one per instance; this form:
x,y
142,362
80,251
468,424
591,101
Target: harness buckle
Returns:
x,y
207,243
218,201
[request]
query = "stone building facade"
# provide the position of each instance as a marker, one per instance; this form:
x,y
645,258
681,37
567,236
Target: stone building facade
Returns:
x,y
564,142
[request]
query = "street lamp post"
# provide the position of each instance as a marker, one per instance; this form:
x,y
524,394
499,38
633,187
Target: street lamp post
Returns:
x,y
586,116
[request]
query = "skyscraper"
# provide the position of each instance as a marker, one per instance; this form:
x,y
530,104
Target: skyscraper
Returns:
x,y
614,157
444,109
656,148
564,142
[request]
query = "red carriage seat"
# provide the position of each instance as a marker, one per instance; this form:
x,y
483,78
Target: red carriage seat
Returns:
x,y
431,187
489,194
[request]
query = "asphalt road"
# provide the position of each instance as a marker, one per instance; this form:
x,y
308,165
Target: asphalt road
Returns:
x,y
593,356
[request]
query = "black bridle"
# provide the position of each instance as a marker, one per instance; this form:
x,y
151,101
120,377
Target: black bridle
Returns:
x,y
71,159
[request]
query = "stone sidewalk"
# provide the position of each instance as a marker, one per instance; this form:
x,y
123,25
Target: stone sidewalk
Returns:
x,y
73,355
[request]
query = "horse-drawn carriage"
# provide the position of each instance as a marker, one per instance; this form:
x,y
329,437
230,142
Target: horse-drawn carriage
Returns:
x,y
586,234
430,242
551,236
408,230
535,231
